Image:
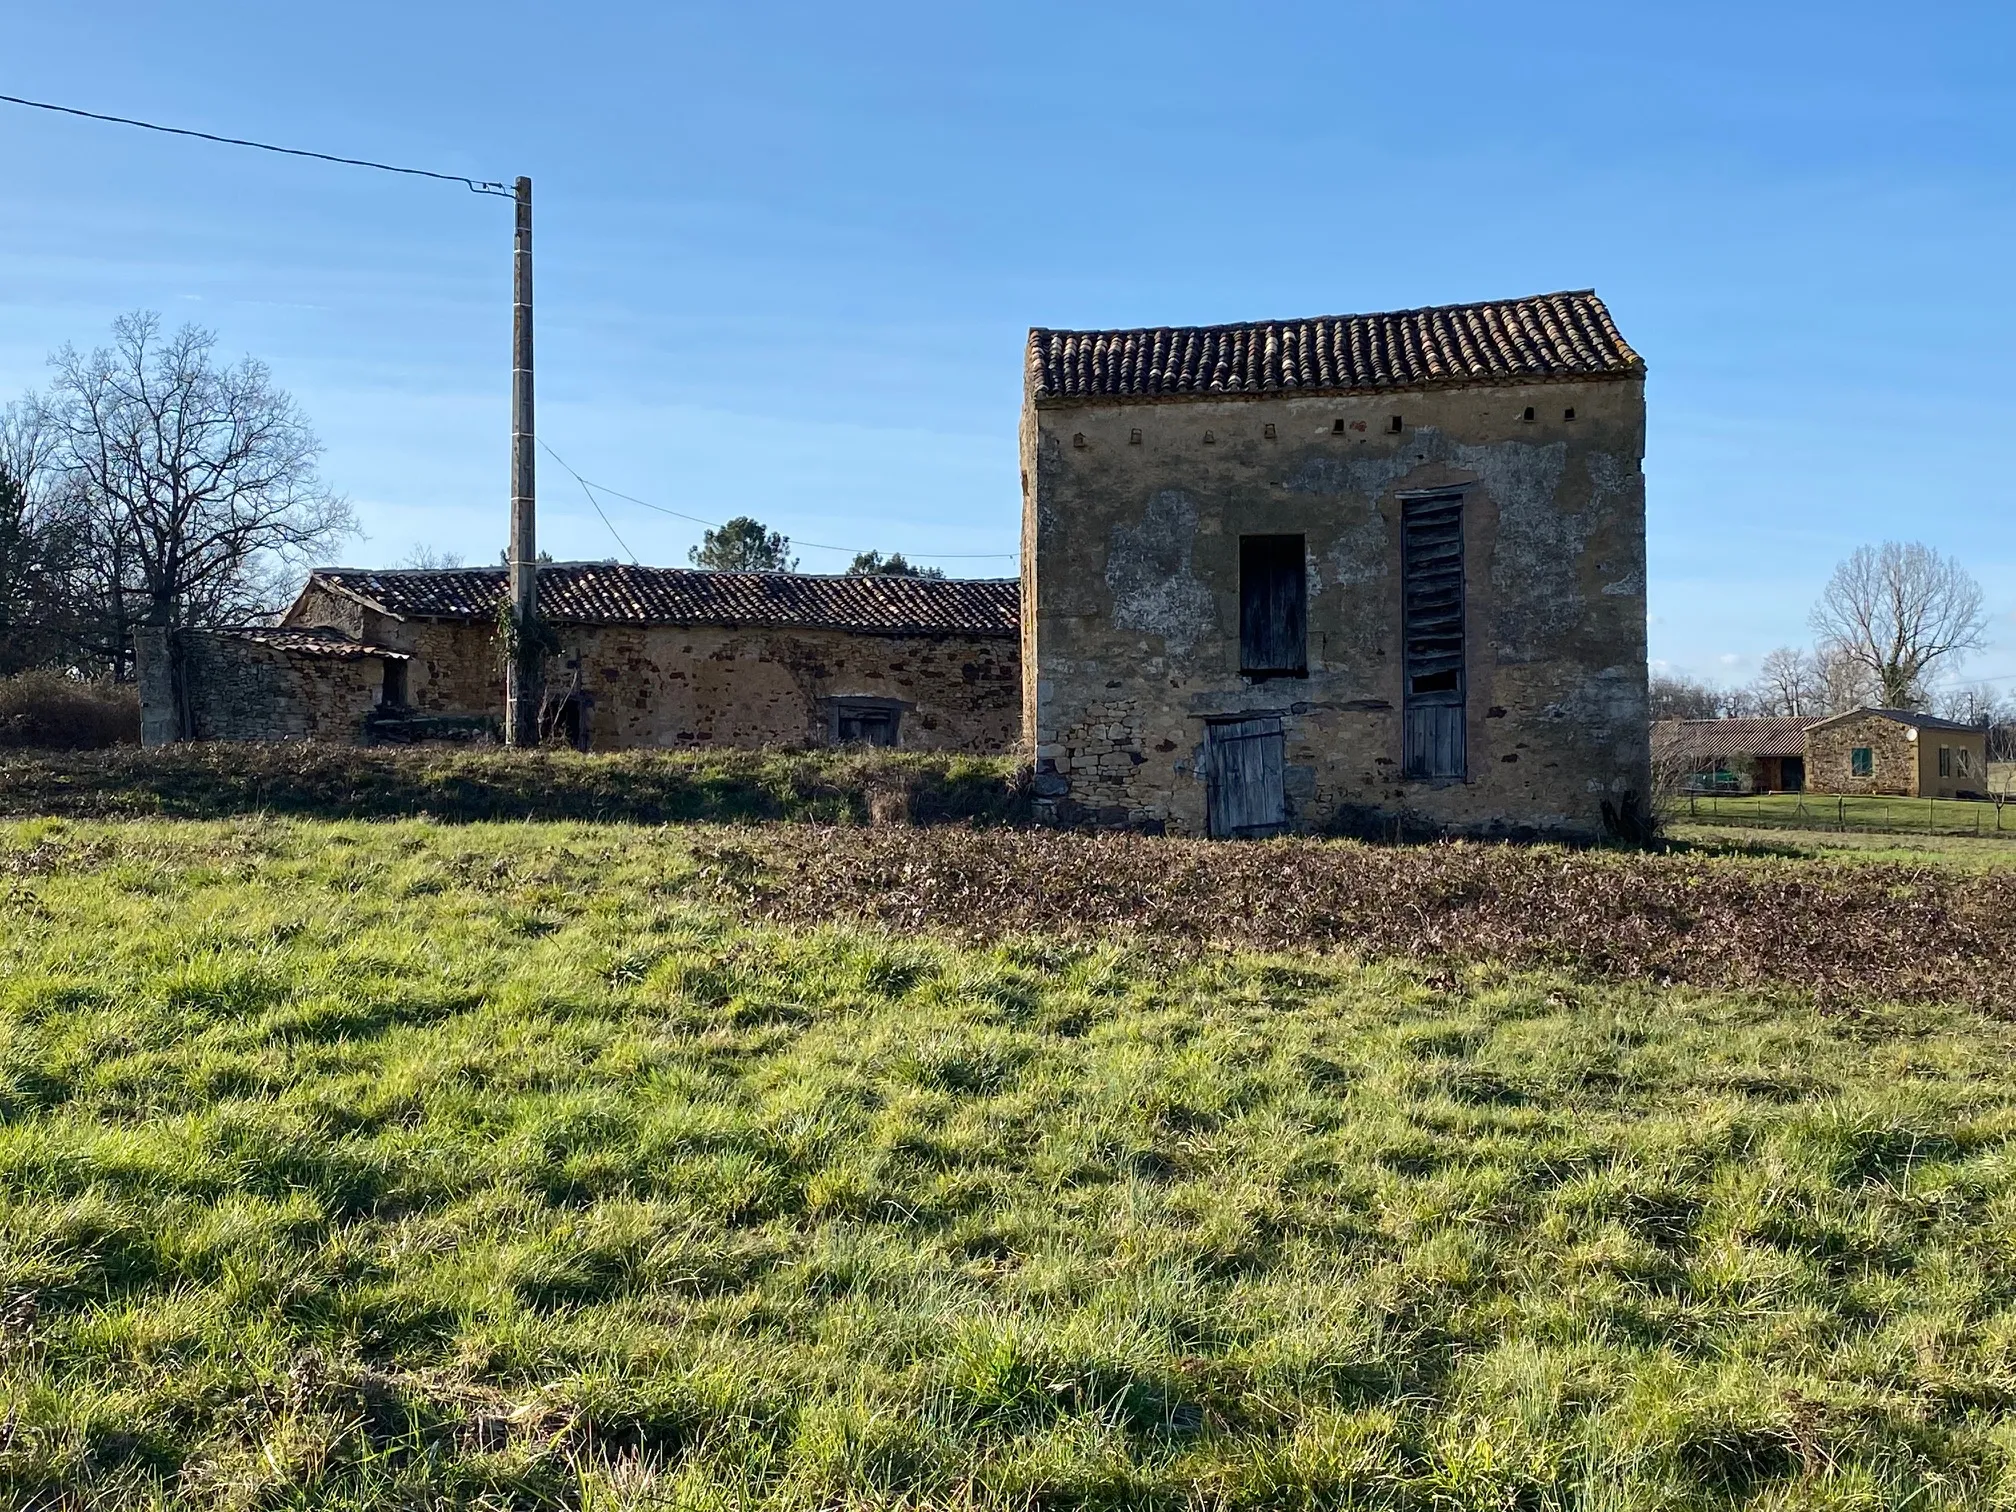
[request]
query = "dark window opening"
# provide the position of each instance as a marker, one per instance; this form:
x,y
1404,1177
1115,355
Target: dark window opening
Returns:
x,y
1393,426
1078,438
393,694
1273,606
1529,413
865,721
1134,436
1267,431
1861,762
1433,742
1337,427
1945,761
1568,413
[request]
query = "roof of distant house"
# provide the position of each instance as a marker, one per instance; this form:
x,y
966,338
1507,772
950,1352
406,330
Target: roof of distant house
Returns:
x,y
1719,739
1545,338
310,642
614,593
1912,717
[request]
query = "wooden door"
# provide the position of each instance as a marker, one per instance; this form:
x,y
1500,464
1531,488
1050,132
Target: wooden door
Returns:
x,y
1243,787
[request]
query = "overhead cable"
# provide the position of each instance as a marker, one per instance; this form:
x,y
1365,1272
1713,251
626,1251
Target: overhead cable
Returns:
x,y
930,556
478,186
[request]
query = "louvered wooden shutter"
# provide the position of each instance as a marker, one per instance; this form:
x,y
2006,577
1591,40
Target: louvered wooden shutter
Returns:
x,y
1432,738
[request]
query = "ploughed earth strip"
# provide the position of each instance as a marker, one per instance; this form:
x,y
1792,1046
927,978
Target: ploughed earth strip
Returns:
x,y
1846,933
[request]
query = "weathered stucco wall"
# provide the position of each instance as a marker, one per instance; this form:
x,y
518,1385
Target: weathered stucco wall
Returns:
x,y
1899,764
667,685
1132,519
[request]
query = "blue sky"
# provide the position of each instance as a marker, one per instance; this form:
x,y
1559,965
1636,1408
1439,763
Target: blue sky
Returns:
x,y
788,253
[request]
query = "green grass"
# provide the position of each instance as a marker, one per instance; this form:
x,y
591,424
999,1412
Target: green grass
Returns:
x,y
1825,811
406,1165
1961,852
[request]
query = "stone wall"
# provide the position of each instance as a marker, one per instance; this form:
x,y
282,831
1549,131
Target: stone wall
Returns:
x,y
235,689
670,685
1132,517
1904,761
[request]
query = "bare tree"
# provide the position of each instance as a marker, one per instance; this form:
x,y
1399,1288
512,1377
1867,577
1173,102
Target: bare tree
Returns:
x,y
40,547
199,480
1677,697
1791,684
1896,611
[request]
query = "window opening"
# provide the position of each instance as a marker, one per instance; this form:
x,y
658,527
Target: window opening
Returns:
x,y
1273,606
1861,762
865,721
1432,726
1945,761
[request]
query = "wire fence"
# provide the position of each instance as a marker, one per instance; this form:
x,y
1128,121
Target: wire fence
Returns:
x,y
1873,814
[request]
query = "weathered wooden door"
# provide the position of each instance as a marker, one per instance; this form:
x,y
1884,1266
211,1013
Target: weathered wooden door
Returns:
x,y
1243,787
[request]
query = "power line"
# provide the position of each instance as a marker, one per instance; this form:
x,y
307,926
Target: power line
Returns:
x,y
929,556
478,186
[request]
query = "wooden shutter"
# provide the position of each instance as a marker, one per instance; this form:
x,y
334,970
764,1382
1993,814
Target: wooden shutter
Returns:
x,y
1273,606
1243,786
1432,738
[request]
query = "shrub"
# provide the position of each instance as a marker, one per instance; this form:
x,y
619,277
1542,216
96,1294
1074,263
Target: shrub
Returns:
x,y
54,712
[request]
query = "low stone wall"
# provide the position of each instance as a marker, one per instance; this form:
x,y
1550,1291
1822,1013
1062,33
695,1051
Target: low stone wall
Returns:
x,y
230,688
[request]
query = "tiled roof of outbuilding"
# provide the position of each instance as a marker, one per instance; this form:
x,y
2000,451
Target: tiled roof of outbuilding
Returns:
x,y
612,593
311,643
1547,337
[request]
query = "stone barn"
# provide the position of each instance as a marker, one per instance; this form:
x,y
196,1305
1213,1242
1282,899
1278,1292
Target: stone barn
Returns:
x,y
1370,573
644,657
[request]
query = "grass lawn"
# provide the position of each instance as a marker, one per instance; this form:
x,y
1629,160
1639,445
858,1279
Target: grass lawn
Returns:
x,y
1963,852
405,1165
1826,811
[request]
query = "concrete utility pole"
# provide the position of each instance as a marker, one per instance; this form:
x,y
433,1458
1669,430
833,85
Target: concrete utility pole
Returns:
x,y
522,691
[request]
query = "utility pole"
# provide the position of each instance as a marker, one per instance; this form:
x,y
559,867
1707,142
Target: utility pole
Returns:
x,y
522,691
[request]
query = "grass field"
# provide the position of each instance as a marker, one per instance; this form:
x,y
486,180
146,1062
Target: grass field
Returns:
x,y
1823,811
1965,852
409,1165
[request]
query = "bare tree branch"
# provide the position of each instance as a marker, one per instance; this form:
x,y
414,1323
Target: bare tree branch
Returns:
x,y
1897,610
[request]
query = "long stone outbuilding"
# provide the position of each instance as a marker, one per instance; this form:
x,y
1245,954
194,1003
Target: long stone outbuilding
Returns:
x,y
642,657
1372,573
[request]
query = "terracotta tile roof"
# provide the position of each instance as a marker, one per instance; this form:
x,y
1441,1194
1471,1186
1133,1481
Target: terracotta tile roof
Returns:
x,y
310,642
1546,337
1715,739
608,593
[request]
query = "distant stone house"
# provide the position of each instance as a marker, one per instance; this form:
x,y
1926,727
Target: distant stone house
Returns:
x,y
1765,755
1896,751
1364,573
646,656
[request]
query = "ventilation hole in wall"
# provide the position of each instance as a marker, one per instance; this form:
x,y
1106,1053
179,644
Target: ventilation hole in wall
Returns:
x,y
1529,413
1134,436
1078,438
1393,426
1267,430
1210,439
1568,413
1336,427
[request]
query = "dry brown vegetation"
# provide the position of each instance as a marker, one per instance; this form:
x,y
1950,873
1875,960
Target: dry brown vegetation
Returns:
x,y
1844,932
54,712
